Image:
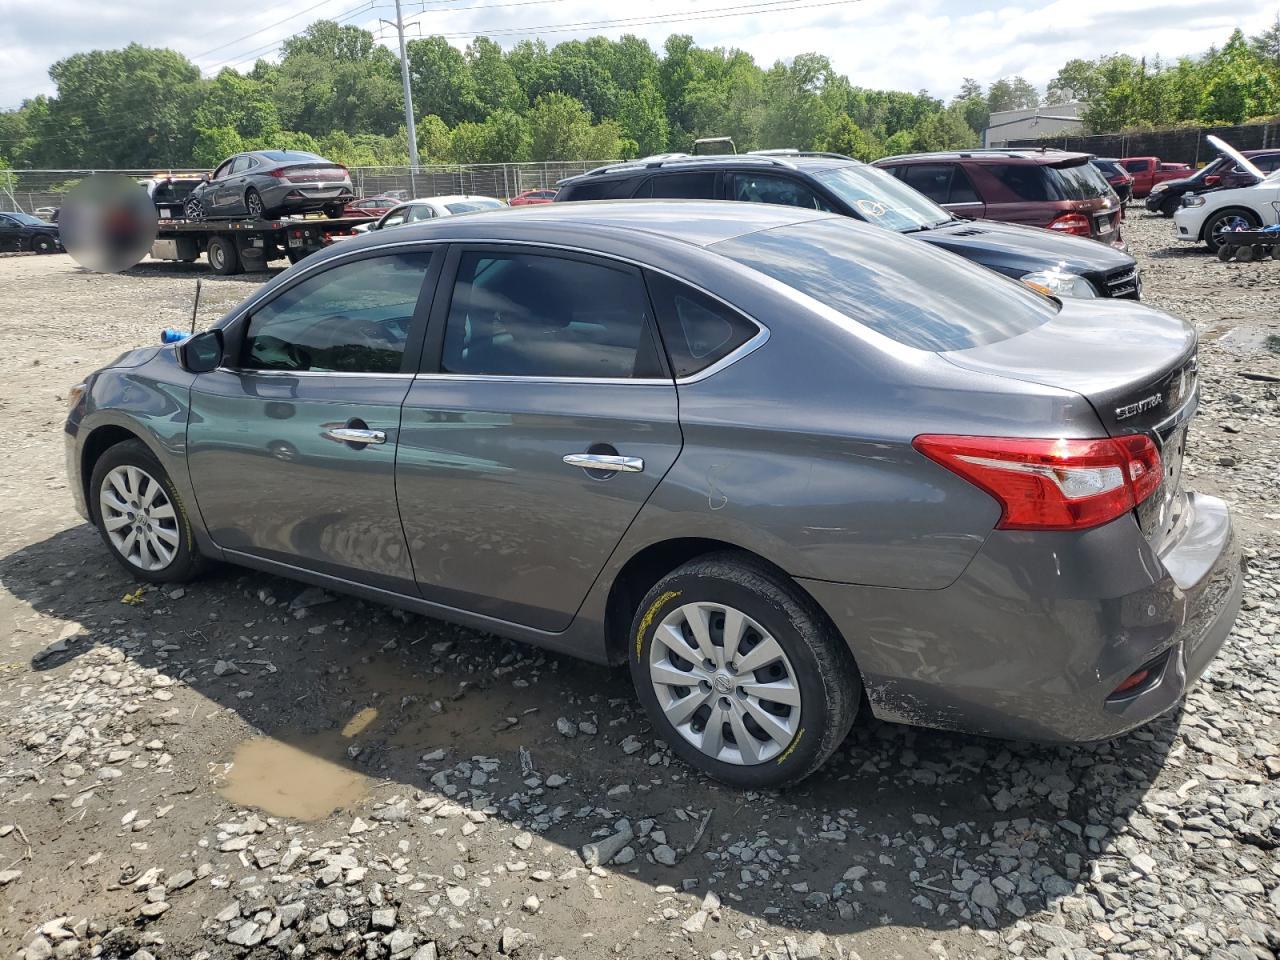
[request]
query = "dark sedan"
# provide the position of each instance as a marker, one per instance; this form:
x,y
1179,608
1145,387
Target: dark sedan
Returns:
x,y
781,463
21,231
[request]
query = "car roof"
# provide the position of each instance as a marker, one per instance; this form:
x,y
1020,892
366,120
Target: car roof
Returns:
x,y
1030,155
451,198
696,222
799,160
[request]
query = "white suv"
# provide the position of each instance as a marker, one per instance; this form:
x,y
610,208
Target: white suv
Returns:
x,y
1204,216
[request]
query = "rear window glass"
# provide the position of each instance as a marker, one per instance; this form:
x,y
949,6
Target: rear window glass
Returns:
x,y
289,155
470,206
901,288
680,186
1030,181
598,190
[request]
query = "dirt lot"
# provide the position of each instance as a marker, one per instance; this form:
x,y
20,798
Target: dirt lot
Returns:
x,y
245,767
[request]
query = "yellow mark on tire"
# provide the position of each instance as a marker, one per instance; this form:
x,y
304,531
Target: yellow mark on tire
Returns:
x,y
794,743
649,615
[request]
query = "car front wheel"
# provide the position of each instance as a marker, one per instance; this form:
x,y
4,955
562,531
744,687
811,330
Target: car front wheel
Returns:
x,y
741,672
43,243
141,517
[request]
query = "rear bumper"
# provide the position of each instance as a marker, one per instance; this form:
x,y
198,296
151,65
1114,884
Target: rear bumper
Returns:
x,y
1040,629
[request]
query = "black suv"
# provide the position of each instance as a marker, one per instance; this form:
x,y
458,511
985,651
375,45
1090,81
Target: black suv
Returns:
x,y
1062,265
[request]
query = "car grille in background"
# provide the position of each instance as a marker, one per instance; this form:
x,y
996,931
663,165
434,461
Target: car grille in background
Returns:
x,y
1122,283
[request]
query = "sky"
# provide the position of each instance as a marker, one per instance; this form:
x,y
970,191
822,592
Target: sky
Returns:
x,y
885,44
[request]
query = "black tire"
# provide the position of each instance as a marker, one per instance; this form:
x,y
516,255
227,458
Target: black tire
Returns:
x,y
334,210
223,258
1169,206
186,562
193,209
1212,232
295,254
824,671
43,243
253,205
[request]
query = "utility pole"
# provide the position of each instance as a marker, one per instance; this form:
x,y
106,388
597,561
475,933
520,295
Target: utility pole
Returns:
x,y
408,93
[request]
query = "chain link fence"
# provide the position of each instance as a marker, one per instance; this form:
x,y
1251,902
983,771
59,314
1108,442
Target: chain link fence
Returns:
x,y
40,191
1178,145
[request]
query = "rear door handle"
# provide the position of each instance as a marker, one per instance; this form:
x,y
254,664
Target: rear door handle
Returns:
x,y
601,461
355,435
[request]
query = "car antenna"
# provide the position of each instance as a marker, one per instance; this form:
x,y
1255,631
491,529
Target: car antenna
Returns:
x,y
195,307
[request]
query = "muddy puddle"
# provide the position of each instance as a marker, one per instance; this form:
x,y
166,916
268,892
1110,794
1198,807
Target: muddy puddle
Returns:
x,y
381,718
1245,340
304,779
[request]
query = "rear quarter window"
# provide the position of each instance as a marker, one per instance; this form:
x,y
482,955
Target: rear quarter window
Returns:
x,y
896,286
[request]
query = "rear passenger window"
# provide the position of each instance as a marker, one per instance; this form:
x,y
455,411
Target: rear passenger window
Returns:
x,y
1135,166
962,187
1026,181
600,190
931,179
755,188
679,186
532,315
697,330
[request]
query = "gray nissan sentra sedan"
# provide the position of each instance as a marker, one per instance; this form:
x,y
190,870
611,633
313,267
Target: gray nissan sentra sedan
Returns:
x,y
782,463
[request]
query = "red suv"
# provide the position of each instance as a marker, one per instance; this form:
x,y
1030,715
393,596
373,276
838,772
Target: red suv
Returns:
x,y
1055,189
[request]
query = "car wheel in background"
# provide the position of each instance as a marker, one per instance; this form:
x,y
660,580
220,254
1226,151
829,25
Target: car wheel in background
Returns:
x,y
193,209
223,259
294,254
1226,220
140,516
741,673
253,204
43,243
1169,206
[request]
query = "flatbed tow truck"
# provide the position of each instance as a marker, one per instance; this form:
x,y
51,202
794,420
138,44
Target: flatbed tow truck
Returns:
x,y
233,246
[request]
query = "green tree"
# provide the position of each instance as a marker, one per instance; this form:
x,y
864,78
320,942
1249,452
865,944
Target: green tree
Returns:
x,y
1012,94
442,81
434,144
494,80
795,114
844,136
502,138
1266,45
642,116
559,128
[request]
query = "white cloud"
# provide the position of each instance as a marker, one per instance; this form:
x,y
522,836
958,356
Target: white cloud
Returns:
x,y
930,44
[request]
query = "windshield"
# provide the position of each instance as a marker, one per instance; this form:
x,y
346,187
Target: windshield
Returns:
x,y
881,198
911,292
291,155
470,206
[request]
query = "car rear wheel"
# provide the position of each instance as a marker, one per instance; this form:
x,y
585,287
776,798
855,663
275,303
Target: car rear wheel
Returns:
x,y
193,209
253,204
141,517
741,672
43,243
1225,220
223,259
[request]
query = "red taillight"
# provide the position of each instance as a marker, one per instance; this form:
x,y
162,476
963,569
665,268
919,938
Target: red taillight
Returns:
x,y
1052,484
1133,680
1073,223
278,172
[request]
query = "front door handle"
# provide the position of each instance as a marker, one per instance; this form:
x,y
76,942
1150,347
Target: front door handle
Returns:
x,y
604,462
355,435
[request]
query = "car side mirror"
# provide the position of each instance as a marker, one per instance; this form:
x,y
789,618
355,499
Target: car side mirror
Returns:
x,y
201,353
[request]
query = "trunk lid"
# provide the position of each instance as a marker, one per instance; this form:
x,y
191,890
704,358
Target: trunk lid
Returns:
x,y
314,173
1137,367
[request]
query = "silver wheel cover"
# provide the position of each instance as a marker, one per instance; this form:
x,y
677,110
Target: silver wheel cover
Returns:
x,y
139,518
724,683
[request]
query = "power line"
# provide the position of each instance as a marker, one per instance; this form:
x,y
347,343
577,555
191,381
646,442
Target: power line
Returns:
x,y
254,53
292,16
716,13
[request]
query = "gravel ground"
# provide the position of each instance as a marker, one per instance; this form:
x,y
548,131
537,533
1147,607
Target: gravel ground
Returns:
x,y
244,767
